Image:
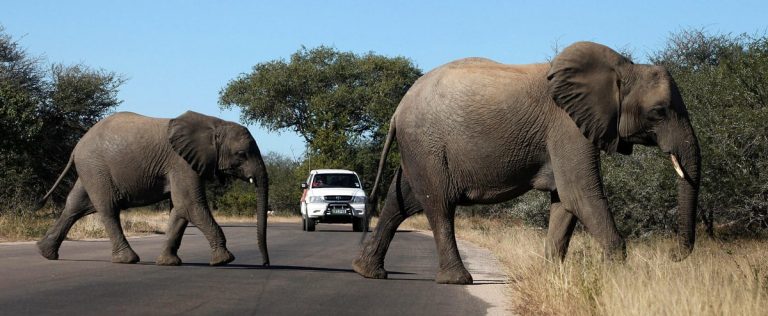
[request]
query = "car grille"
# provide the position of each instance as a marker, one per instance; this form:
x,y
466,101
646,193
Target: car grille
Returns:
x,y
338,198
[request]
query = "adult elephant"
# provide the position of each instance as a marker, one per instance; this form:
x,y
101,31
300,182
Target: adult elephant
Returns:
x,y
128,160
477,132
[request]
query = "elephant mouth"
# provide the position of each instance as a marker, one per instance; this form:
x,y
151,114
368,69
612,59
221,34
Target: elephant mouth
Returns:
x,y
640,138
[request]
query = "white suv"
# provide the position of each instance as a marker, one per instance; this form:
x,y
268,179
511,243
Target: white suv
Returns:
x,y
332,196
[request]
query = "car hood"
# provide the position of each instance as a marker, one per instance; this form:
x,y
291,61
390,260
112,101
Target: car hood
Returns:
x,y
336,191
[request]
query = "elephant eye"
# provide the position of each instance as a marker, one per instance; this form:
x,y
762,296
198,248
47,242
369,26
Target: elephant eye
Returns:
x,y
240,154
657,113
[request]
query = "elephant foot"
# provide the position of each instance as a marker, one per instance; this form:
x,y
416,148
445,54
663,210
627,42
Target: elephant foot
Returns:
x,y
554,255
616,253
370,271
48,249
679,253
168,260
221,256
458,275
125,256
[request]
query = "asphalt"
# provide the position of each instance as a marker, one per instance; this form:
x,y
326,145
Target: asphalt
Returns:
x,y
310,275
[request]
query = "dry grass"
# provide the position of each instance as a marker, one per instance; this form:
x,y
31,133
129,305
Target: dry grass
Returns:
x,y
136,222
19,228
32,227
719,278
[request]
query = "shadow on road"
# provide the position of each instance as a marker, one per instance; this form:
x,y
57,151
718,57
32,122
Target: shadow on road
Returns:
x,y
272,267
235,266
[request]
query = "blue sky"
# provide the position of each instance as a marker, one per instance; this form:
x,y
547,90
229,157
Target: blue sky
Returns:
x,y
178,55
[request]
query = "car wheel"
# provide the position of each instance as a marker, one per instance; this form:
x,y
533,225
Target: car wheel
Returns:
x,y
357,224
310,225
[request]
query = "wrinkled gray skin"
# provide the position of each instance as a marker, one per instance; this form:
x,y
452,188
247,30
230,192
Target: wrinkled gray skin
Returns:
x,y
128,160
478,132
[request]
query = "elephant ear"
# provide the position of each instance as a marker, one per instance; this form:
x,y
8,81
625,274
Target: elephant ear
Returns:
x,y
193,136
584,80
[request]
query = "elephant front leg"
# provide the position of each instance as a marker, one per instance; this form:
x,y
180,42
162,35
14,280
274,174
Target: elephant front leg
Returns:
x,y
188,199
560,230
598,220
594,214
576,166
176,226
201,217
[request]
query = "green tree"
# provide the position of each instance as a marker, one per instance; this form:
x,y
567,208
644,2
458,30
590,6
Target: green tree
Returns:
x,y
340,102
43,112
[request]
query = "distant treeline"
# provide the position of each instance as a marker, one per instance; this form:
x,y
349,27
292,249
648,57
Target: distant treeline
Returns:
x,y
341,102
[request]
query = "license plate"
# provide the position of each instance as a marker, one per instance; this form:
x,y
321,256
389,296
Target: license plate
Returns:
x,y
339,211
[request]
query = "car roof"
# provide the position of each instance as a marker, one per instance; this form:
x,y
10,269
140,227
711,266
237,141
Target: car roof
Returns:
x,y
322,171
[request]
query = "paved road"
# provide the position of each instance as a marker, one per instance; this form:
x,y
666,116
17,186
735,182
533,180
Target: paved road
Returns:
x,y
311,275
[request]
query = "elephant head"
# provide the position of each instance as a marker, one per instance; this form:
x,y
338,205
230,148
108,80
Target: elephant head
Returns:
x,y
214,147
616,103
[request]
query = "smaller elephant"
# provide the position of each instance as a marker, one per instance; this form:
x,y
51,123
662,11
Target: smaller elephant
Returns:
x,y
129,160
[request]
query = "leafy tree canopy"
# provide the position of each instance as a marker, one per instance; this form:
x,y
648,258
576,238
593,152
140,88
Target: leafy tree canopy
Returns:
x,y
340,102
44,110
320,92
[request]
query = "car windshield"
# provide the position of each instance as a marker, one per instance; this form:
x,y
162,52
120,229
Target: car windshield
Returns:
x,y
335,180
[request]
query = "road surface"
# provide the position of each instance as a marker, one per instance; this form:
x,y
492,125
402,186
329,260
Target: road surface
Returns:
x,y
310,275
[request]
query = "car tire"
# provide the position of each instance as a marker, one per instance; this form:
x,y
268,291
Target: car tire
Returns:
x,y
357,224
310,225
303,223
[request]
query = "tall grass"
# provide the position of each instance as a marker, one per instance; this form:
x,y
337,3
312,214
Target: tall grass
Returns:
x,y
719,278
22,227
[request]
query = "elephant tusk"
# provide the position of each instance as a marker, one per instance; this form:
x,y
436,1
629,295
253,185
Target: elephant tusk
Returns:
x,y
677,166
251,179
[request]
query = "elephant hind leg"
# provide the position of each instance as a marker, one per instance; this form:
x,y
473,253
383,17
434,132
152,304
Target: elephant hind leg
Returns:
x,y
121,249
399,205
103,201
451,269
77,206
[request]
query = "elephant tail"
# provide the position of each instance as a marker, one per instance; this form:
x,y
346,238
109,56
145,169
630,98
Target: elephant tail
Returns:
x,y
373,198
41,202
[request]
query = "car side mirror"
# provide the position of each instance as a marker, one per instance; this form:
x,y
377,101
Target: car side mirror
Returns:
x,y
304,185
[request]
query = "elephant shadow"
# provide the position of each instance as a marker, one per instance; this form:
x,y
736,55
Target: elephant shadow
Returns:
x,y
241,266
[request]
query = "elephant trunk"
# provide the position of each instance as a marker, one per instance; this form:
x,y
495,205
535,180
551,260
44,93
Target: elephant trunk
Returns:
x,y
262,192
681,143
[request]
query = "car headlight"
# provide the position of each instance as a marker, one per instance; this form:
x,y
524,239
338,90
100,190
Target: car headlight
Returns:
x,y
315,199
358,199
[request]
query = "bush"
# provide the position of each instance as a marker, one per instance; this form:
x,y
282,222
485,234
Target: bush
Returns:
x,y
44,110
238,199
641,191
235,197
